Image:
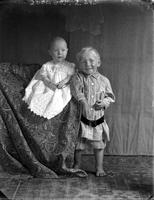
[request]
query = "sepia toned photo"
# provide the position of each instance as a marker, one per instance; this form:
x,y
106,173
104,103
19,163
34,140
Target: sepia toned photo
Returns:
x,y
76,99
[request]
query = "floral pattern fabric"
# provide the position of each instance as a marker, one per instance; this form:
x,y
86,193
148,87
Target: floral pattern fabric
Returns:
x,y
29,143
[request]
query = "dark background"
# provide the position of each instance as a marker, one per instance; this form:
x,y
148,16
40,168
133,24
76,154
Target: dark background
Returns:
x,y
123,35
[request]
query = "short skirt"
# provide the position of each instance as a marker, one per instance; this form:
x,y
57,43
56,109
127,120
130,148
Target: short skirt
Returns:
x,y
85,144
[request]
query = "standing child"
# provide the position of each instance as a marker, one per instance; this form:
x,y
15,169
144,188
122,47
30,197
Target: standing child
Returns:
x,y
94,93
49,90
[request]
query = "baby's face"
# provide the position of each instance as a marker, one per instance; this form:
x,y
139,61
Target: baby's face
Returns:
x,y
89,63
58,51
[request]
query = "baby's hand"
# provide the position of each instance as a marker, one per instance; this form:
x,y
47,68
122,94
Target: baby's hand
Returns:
x,y
52,86
61,84
104,104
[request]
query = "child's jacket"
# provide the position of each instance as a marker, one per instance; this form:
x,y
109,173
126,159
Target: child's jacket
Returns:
x,y
92,88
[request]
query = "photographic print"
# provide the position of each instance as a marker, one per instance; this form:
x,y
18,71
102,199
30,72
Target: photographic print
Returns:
x,y
76,99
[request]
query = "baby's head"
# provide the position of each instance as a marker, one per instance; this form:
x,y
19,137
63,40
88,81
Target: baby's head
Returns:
x,y
88,59
58,49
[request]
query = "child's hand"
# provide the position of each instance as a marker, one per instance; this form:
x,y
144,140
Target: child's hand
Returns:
x,y
104,104
61,84
52,86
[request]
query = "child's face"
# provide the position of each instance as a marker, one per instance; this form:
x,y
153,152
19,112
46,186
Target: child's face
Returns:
x,y
58,51
89,63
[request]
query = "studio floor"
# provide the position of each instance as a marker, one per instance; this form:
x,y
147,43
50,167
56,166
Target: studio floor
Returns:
x,y
129,178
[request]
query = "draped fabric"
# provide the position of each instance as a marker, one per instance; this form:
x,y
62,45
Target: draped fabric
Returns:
x,y
29,143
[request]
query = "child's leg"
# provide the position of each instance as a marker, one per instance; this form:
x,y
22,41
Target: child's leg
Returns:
x,y
77,159
99,154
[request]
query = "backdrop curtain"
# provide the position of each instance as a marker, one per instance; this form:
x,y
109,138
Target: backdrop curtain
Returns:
x,y
28,143
122,33
124,41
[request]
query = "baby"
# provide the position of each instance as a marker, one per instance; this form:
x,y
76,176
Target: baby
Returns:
x,y
94,94
49,91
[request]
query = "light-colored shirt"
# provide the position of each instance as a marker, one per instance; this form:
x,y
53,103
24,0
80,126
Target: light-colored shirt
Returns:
x,y
92,88
56,72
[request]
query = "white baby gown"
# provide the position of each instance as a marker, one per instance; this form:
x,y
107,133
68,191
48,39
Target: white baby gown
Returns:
x,y
42,100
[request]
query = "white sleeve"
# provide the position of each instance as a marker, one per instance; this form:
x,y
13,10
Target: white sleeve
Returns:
x,y
43,72
39,75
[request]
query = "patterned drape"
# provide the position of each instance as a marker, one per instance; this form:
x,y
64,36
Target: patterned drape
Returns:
x,y
28,143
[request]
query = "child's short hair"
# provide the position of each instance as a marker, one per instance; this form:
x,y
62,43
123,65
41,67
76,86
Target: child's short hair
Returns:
x,y
53,40
84,51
